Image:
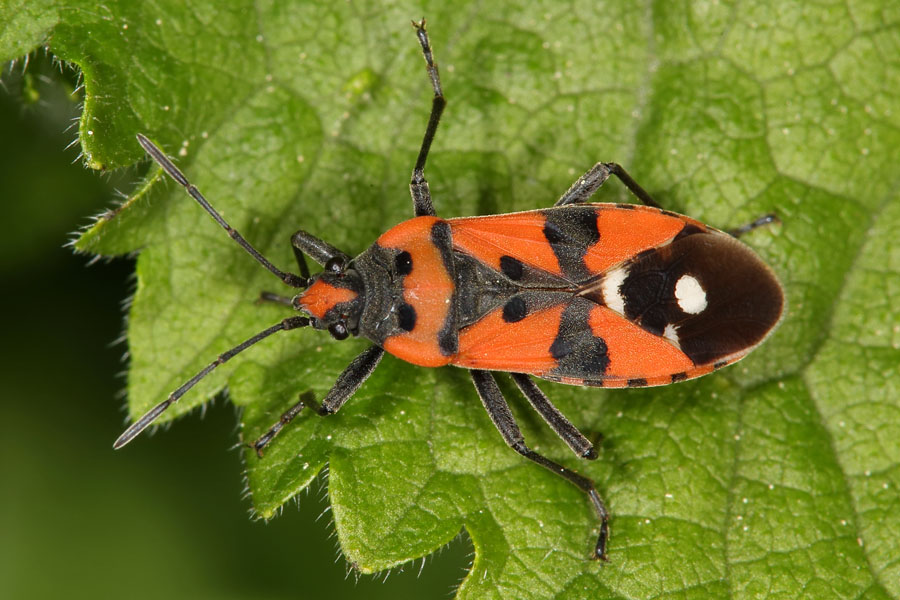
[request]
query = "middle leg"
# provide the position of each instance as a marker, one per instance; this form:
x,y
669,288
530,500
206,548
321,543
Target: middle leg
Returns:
x,y
418,186
346,385
557,421
591,181
498,410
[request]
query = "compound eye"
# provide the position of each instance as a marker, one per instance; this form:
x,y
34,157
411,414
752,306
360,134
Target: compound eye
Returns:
x,y
338,331
336,265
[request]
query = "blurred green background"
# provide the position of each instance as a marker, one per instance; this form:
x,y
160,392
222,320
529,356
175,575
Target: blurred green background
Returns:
x,y
164,517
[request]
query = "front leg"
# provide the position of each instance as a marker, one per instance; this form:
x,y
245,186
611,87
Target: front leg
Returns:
x,y
304,243
418,186
346,385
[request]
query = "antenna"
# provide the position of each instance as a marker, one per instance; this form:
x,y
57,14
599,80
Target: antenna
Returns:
x,y
288,278
151,415
170,168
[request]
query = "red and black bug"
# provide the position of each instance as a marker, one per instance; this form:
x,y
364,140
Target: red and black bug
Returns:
x,y
607,295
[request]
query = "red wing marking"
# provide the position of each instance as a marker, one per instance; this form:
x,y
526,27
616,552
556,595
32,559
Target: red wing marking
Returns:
x,y
520,235
522,347
633,352
421,352
627,232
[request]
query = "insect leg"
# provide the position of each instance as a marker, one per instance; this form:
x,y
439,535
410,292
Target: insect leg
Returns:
x,y
346,385
498,410
318,250
173,172
760,222
303,244
418,186
300,258
579,444
591,181
586,185
151,415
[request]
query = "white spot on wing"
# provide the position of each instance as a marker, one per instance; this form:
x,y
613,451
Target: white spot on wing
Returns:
x,y
610,288
690,295
671,334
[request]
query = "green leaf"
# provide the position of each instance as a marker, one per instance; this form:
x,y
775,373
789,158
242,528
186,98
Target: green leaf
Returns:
x,y
777,477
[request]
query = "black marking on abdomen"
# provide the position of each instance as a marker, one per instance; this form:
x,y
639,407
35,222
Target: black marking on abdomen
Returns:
x,y
442,238
676,377
511,267
403,263
561,347
649,290
570,231
448,336
637,382
577,351
553,233
406,317
514,310
448,341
